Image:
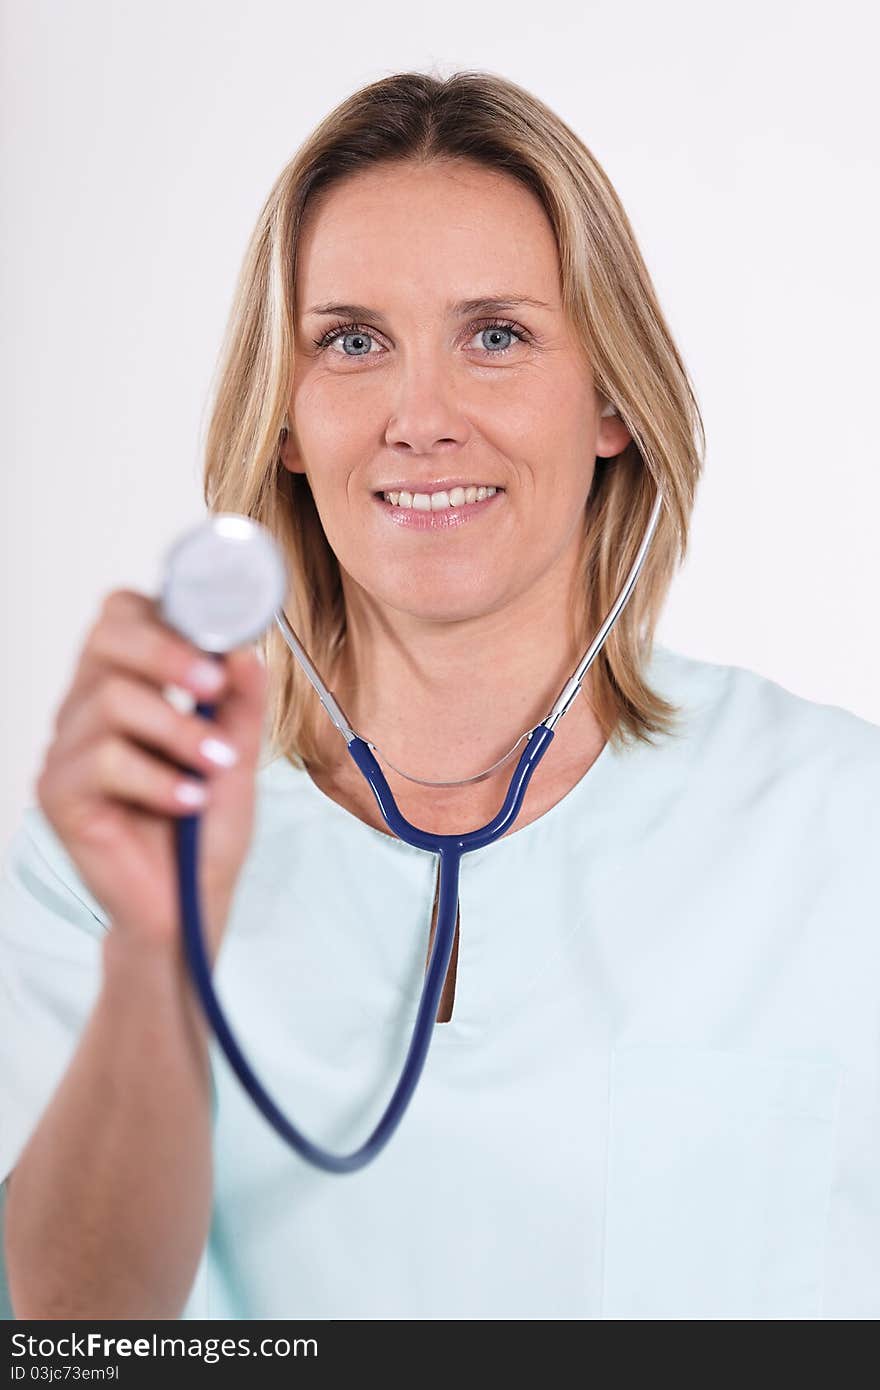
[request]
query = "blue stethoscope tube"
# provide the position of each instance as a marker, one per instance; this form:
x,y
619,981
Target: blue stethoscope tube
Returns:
x,y
450,848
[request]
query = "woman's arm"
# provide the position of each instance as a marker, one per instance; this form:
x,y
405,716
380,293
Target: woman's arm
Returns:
x,y
109,1205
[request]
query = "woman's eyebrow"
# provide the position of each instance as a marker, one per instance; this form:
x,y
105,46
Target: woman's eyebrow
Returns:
x,y
484,305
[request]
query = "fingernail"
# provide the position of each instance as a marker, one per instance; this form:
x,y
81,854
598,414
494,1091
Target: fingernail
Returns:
x,y
218,752
190,794
208,676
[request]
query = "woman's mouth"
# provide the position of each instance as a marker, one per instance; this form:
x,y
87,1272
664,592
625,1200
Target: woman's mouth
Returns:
x,y
439,511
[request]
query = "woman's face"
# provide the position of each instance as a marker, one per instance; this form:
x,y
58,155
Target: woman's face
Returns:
x,y
419,390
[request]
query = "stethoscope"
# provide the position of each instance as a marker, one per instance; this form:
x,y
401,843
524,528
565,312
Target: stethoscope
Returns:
x,y
223,582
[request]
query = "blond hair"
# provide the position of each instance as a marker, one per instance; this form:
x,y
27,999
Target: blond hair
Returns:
x,y
610,300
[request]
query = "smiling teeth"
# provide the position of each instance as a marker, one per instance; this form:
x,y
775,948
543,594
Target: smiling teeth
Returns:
x,y
439,501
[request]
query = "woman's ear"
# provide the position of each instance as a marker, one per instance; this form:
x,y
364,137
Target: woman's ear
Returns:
x,y
612,435
288,451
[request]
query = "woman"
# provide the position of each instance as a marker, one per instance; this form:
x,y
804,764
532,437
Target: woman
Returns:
x,y
651,1088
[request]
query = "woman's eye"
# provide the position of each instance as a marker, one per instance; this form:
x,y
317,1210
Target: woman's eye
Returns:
x,y
494,339
361,340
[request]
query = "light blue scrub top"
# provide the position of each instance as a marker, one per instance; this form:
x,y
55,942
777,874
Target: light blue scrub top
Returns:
x,y
658,1095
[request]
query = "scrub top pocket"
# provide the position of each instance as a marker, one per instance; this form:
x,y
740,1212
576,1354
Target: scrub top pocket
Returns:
x,y
718,1184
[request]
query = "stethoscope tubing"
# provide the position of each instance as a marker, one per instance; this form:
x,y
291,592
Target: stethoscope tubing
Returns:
x,y
451,849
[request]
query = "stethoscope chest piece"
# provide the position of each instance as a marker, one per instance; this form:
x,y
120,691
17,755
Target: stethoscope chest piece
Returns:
x,y
222,582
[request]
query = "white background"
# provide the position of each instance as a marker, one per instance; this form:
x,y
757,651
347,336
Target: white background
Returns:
x,y
139,141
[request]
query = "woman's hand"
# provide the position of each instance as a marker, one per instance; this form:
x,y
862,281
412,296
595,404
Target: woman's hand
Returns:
x,y
110,777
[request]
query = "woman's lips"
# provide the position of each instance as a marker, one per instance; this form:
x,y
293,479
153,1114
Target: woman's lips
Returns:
x,y
445,519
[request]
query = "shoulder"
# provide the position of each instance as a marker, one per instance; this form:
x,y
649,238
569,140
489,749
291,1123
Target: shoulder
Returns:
x,y
746,726
39,874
